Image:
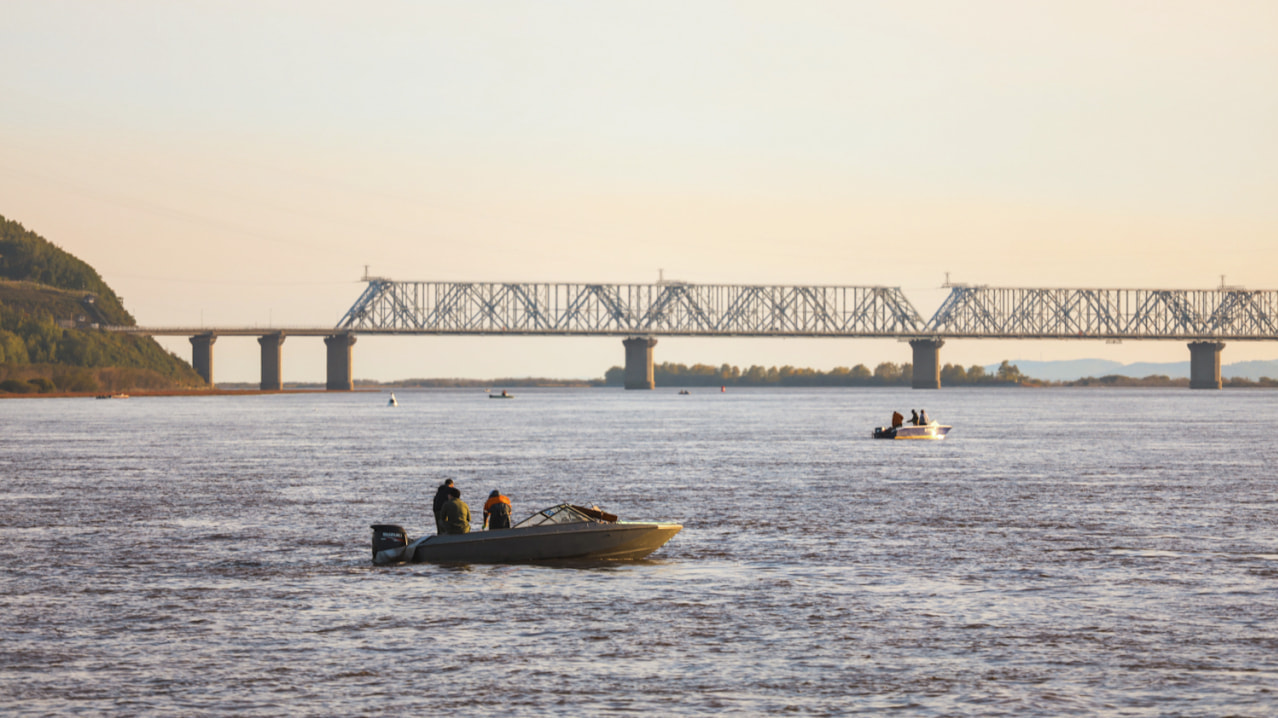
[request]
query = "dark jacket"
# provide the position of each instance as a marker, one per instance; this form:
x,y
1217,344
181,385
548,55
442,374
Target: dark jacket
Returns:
x,y
455,516
441,496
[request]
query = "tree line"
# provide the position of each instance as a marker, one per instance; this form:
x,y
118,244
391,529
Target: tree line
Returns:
x,y
885,374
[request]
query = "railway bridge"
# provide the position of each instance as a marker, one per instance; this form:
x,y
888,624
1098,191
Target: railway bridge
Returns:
x,y
640,313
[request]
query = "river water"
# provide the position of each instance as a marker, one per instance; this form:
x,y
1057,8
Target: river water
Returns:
x,y
1064,551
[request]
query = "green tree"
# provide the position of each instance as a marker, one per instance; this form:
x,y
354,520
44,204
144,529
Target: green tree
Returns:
x,y
953,375
755,376
1009,373
887,373
12,349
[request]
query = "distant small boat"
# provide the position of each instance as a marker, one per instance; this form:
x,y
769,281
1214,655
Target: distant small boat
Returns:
x,y
113,396
502,395
392,401
933,431
684,392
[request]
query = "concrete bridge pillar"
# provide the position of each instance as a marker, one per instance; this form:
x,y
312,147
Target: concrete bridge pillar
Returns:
x,y
202,356
339,362
927,363
272,373
1204,365
639,362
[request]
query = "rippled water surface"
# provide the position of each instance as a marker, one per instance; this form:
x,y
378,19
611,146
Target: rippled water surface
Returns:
x,y
1063,552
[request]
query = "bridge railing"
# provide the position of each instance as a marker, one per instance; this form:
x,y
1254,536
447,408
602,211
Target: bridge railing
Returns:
x,y
669,308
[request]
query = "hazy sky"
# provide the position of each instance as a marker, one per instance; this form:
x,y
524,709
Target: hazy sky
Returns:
x,y
239,163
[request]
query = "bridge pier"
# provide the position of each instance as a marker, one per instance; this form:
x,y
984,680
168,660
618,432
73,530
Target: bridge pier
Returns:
x,y
339,362
1204,365
202,356
272,373
927,363
639,362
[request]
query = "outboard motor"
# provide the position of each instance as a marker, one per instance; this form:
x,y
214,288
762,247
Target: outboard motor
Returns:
x,y
389,541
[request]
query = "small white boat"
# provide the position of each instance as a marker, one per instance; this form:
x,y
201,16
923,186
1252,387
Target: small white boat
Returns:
x,y
392,401
925,431
561,532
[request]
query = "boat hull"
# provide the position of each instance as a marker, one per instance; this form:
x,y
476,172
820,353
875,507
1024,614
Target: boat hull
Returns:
x,y
929,432
622,541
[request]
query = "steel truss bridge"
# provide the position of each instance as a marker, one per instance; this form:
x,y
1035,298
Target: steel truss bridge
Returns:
x,y
681,309
642,312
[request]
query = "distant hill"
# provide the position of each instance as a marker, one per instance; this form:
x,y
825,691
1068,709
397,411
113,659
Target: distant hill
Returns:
x,y
1074,369
51,304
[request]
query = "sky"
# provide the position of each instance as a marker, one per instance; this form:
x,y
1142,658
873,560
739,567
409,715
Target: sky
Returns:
x,y
241,163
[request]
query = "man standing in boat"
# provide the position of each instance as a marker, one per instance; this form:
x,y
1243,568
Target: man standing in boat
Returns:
x,y
497,511
455,515
441,496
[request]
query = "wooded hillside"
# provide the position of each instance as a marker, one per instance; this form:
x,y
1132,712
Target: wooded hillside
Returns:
x,y
51,305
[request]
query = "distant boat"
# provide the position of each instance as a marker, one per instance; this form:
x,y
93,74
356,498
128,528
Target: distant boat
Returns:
x,y
932,431
684,392
113,396
392,401
502,395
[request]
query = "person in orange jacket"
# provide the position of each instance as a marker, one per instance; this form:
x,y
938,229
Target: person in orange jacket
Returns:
x,y
497,511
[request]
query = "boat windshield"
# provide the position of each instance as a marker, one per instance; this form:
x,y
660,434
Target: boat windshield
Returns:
x,y
561,514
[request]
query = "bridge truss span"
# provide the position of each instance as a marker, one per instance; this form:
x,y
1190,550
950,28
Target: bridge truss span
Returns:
x,y
667,308
1023,313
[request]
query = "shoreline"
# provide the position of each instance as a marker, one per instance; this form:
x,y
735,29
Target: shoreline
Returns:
x,y
702,389
142,393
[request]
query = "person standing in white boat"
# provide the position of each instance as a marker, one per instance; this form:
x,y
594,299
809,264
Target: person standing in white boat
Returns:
x,y
923,420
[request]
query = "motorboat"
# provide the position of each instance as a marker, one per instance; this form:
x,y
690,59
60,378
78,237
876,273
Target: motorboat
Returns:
x,y
923,431
392,401
502,395
561,532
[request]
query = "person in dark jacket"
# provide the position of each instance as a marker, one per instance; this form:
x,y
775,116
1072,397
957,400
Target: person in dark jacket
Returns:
x,y
441,496
455,515
914,418
497,511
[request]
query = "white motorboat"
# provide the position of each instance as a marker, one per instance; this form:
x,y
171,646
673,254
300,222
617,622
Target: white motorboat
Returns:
x,y
392,401
563,531
923,431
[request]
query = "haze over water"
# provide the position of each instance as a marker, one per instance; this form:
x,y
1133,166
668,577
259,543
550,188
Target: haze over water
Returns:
x,y
1063,552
